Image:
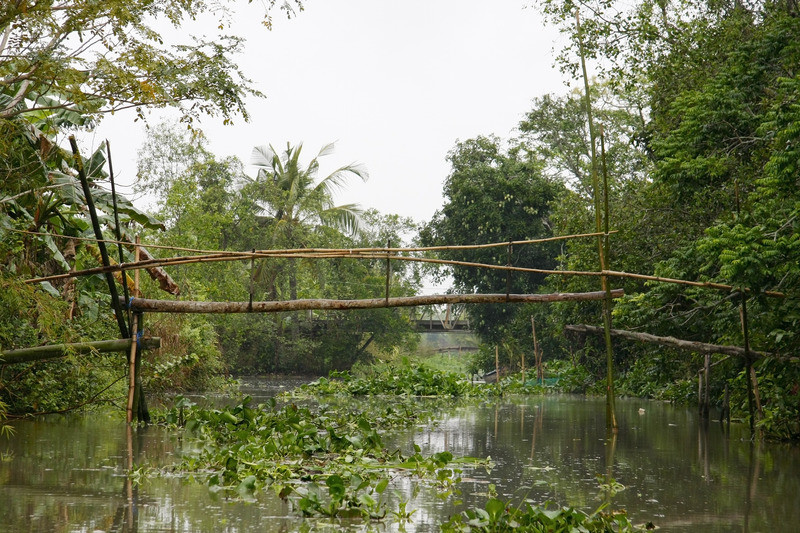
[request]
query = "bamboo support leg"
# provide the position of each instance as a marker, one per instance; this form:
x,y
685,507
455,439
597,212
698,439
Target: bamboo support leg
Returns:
x,y
132,360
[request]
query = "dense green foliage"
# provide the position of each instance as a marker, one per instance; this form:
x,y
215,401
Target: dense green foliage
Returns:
x,y
494,196
212,205
696,128
90,58
31,317
62,68
697,114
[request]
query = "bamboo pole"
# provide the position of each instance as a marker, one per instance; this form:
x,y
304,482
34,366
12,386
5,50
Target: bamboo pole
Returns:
x,y
537,353
134,333
280,252
132,369
706,400
112,288
117,231
172,306
246,256
312,253
691,346
753,397
388,269
611,418
497,363
700,393
54,351
606,285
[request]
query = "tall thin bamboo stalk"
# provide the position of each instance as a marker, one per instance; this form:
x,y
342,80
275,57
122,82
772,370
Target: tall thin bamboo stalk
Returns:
x,y
611,418
87,193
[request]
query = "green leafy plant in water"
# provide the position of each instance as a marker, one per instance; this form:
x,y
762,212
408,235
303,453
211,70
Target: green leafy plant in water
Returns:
x,y
326,462
609,486
5,429
499,516
408,379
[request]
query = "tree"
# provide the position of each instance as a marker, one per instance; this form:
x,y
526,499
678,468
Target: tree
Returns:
x,y
556,129
293,199
494,196
719,81
100,57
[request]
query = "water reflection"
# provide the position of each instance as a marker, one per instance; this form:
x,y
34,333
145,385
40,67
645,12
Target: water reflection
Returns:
x,y
67,474
678,474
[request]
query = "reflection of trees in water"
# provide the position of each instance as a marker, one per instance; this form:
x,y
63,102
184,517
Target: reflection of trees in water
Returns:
x,y
66,473
676,473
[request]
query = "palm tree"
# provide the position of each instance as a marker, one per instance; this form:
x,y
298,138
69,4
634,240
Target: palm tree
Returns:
x,y
293,199
295,202
292,194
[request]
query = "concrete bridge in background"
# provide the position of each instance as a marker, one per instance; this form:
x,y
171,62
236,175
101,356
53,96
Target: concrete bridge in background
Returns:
x,y
436,325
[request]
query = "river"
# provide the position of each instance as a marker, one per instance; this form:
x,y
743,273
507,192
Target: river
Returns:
x,y
67,473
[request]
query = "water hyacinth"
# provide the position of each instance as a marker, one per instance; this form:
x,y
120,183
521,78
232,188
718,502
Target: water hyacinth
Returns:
x,y
324,461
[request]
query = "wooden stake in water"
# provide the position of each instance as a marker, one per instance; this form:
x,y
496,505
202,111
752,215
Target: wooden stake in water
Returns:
x,y
497,363
537,354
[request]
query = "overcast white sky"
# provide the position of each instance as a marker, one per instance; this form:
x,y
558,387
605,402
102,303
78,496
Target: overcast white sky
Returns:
x,y
395,84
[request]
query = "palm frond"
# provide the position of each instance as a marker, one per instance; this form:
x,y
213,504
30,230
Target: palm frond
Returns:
x,y
346,218
338,178
262,156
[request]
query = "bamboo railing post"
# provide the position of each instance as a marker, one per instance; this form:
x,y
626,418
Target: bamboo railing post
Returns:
x,y
132,369
753,397
606,285
611,418
132,359
252,276
700,392
140,402
388,267
142,413
537,355
726,408
497,362
707,393
509,251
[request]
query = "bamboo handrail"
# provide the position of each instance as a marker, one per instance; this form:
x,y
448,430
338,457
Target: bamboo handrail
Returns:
x,y
673,342
40,353
356,253
182,306
291,250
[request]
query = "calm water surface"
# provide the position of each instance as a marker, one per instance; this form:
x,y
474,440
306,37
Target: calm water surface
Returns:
x,y
67,474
